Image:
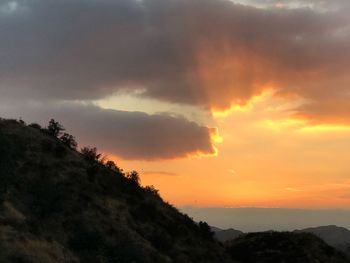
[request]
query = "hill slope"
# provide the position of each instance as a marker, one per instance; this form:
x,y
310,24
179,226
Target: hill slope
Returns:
x,y
286,247
57,206
338,237
60,205
227,234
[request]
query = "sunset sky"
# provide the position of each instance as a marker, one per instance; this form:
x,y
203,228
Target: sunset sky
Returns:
x,y
216,103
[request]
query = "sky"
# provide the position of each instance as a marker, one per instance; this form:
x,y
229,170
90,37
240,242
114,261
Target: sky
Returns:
x,y
252,219
216,103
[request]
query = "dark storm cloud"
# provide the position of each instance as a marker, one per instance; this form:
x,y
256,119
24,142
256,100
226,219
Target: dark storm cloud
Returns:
x,y
129,135
87,49
209,53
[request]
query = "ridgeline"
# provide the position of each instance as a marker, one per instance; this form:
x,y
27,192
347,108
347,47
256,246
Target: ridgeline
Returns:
x,y
58,204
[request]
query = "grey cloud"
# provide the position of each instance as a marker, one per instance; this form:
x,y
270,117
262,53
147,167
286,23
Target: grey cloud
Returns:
x,y
209,53
129,135
319,5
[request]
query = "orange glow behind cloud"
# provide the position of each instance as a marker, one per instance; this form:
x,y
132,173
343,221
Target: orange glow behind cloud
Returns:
x,y
247,106
278,161
215,139
271,153
271,78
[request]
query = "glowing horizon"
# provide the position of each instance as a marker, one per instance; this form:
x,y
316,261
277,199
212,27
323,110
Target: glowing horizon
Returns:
x,y
215,102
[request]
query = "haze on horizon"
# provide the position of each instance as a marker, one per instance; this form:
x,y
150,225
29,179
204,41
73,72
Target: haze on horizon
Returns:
x,y
217,103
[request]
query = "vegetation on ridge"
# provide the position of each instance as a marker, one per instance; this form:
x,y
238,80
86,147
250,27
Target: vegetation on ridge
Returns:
x,y
58,204
61,205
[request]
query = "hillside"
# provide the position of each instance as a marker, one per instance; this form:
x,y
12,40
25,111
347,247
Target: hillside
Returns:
x,y
338,237
227,234
286,247
58,205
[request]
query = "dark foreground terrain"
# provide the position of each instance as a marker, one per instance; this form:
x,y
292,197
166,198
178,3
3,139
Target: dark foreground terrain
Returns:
x,y
61,205
283,247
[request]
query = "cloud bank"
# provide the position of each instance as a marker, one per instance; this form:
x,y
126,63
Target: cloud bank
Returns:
x,y
207,53
128,135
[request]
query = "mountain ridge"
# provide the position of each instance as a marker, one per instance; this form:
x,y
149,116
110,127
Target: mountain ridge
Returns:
x,y
61,205
58,204
335,236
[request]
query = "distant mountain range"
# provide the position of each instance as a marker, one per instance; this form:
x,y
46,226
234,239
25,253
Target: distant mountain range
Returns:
x,y
338,237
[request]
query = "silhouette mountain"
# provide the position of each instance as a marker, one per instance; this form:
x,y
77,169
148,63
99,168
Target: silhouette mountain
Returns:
x,y
61,205
338,237
286,247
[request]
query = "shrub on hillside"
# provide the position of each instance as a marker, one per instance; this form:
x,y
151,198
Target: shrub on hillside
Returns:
x,y
152,190
35,126
69,141
205,230
90,154
133,177
112,166
55,128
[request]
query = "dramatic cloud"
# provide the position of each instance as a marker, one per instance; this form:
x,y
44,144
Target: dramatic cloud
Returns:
x,y
129,135
209,53
206,53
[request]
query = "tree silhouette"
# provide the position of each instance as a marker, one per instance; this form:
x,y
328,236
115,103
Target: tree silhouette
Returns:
x,y
134,177
90,154
205,230
55,128
152,190
69,141
111,165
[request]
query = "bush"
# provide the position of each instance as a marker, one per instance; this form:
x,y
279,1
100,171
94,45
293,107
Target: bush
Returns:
x,y
205,230
90,154
54,128
133,177
152,190
35,126
69,141
22,122
112,166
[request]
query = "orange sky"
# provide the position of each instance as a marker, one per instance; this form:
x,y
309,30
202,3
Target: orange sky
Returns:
x,y
265,159
215,102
